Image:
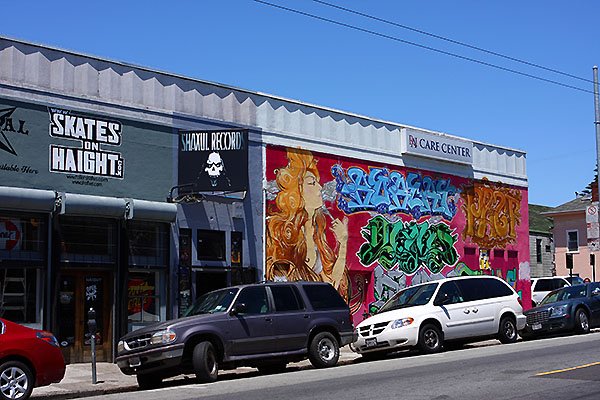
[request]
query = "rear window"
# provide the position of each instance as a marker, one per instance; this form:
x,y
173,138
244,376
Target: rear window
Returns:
x,y
324,297
544,285
483,288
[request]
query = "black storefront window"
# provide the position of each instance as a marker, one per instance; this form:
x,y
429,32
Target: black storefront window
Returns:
x,y
210,245
236,249
23,243
88,240
148,244
143,297
148,264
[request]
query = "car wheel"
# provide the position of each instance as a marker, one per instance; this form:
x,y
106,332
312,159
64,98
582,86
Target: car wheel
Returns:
x,y
507,332
204,361
430,339
148,381
582,322
269,369
16,381
324,350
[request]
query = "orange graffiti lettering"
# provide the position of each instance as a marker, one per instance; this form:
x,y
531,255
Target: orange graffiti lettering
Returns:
x,y
492,214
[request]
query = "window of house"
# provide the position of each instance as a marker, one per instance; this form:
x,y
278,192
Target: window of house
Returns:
x,y
538,251
210,245
572,240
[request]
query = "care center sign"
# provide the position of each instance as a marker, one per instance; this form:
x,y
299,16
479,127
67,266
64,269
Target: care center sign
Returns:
x,y
436,146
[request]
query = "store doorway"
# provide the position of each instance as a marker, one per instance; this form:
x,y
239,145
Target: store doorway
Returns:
x,y
80,290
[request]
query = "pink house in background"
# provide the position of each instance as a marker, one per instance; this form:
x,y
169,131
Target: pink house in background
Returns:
x,y
571,238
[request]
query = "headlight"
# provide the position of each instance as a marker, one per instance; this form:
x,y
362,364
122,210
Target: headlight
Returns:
x,y
120,346
163,337
399,323
558,311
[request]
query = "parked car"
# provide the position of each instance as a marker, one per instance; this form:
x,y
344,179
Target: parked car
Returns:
x,y
449,310
28,358
261,325
572,308
540,287
574,280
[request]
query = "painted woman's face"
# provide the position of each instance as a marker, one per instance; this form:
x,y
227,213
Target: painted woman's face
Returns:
x,y
311,192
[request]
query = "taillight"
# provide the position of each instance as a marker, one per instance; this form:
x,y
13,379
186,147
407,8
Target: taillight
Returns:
x,y
47,337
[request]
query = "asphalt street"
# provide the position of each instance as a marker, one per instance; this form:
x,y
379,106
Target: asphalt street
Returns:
x,y
554,368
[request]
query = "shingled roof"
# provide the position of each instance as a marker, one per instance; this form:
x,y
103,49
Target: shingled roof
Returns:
x,y
578,204
539,223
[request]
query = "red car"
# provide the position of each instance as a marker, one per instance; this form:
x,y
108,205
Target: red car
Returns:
x,y
28,358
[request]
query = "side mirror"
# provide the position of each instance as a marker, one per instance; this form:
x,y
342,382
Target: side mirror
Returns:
x,y
238,308
442,300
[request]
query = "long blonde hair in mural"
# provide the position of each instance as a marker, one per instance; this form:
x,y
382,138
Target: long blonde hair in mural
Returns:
x,y
296,242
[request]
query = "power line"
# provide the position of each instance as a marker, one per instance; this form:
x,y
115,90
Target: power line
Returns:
x,y
421,46
422,32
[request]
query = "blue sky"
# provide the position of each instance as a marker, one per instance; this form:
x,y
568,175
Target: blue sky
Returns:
x,y
260,48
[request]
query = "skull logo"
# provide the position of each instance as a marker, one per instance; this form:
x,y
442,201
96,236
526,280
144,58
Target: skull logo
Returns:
x,y
214,167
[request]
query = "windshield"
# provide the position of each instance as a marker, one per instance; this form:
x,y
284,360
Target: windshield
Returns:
x,y
411,296
575,280
213,302
566,293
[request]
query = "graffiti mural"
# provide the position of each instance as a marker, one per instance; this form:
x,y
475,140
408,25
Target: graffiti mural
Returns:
x,y
492,214
390,192
297,245
371,230
408,245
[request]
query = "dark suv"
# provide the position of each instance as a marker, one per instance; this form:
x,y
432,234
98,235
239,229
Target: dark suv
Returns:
x,y
263,325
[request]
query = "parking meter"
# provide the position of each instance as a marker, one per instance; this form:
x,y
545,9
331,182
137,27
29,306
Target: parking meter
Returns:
x,y
92,328
92,325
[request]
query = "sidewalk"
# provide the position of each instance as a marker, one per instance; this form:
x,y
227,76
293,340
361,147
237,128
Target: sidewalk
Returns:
x,y
78,378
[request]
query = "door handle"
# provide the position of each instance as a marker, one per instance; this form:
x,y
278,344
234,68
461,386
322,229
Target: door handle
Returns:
x,y
268,319
466,311
475,310
306,316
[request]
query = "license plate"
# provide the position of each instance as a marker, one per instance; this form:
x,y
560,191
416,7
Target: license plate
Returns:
x,y
371,342
536,327
135,362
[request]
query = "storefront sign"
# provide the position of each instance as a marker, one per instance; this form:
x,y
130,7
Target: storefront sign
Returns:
x,y
214,160
436,146
89,158
10,235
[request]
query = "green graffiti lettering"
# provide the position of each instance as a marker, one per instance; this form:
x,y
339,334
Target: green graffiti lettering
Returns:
x,y
408,245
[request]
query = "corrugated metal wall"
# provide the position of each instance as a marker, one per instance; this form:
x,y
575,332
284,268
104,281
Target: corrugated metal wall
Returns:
x,y
138,90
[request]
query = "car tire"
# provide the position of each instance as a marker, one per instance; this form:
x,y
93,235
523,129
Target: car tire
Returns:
x,y
582,321
507,331
274,368
148,381
323,350
15,375
204,361
430,339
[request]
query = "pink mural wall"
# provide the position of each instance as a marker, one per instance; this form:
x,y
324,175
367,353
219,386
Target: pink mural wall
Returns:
x,y
371,229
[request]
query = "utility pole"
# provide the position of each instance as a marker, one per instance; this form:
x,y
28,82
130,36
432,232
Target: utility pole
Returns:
x,y
597,124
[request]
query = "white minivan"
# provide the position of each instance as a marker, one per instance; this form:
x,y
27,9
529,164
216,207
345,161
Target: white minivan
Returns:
x,y
453,309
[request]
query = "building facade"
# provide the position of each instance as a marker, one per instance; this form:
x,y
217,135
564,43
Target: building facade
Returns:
x,y
133,192
575,252
541,243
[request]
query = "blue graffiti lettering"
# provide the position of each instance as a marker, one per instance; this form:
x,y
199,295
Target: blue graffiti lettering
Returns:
x,y
390,192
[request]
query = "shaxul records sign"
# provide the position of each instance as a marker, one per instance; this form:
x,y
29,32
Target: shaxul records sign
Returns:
x,y
91,132
213,160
